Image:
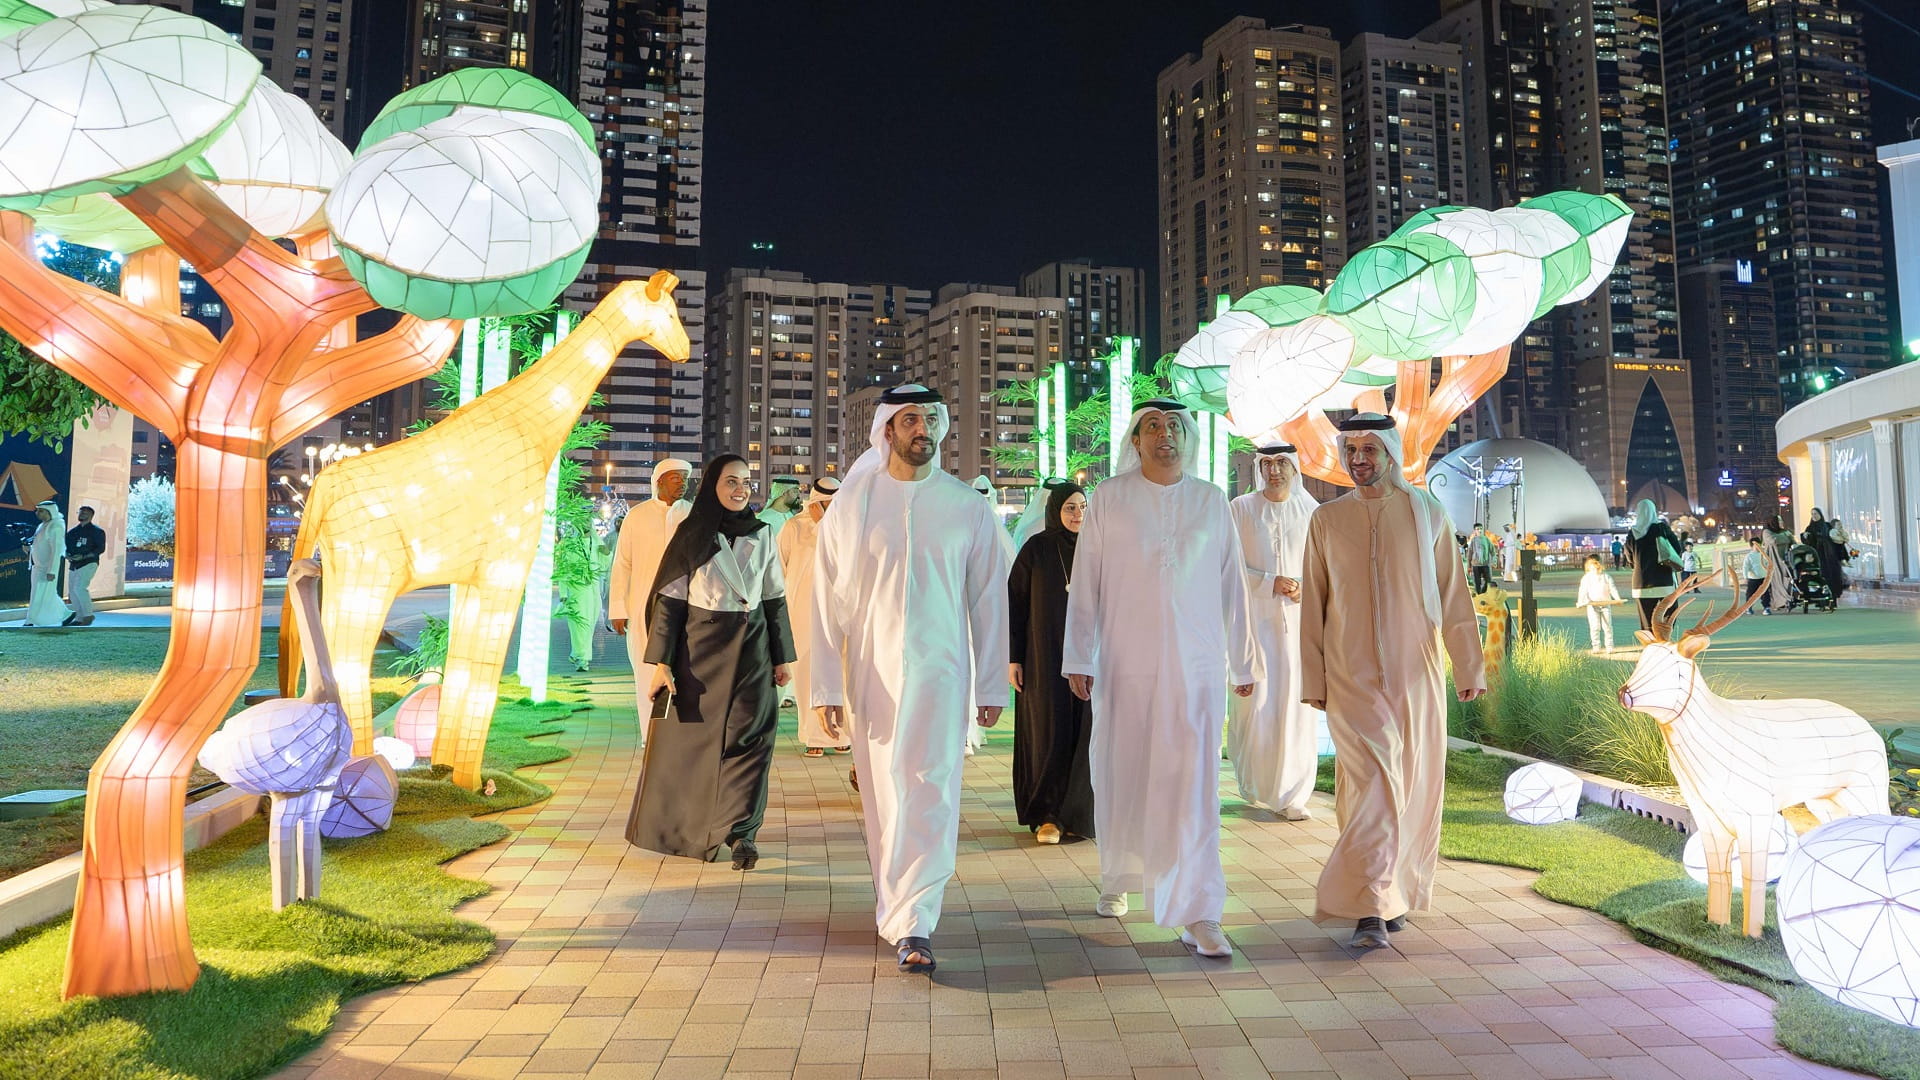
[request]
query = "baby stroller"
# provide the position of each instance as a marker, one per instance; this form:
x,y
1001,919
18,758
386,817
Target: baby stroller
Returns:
x,y
1808,589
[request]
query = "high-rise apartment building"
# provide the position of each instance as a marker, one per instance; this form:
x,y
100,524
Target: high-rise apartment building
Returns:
x,y
1102,305
1506,57
1632,408
877,318
1404,136
1728,330
976,341
642,84
777,348
1774,163
1251,191
304,46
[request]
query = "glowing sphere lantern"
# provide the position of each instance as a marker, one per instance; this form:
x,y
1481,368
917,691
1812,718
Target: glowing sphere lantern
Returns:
x,y
1850,914
1405,297
1281,371
396,752
416,719
1781,840
363,799
1542,794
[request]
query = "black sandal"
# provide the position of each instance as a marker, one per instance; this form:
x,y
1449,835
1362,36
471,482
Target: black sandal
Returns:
x,y
745,855
910,947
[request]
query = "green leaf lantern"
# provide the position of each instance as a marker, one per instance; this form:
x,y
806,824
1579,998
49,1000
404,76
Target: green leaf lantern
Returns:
x,y
479,197
1282,305
1404,296
1602,221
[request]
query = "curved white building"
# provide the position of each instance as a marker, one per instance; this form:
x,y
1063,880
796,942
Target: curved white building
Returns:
x,y
1534,486
1854,452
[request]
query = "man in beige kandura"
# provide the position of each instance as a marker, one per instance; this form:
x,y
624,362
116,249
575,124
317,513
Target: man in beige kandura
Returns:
x,y
1382,597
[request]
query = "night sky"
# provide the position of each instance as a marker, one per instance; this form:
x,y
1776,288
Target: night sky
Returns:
x,y
927,143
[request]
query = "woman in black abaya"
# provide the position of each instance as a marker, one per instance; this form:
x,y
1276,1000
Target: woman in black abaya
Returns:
x,y
718,637
1052,785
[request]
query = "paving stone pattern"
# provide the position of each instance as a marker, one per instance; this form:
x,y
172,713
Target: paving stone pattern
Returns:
x,y
615,962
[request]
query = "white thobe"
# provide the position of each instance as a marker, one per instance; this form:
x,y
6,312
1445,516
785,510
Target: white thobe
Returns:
x,y
797,543
636,559
1157,615
977,735
1510,558
910,604
49,546
1274,738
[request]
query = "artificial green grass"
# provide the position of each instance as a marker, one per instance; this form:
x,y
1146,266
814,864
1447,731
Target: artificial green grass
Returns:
x,y
1628,868
63,695
271,983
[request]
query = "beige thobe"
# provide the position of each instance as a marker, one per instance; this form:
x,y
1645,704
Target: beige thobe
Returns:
x,y
1370,651
636,558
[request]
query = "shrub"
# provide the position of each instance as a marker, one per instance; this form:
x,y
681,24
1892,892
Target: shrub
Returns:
x,y
1557,702
150,515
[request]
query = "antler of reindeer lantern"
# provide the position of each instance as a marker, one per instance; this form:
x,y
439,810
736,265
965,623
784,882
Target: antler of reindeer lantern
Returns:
x,y
1741,762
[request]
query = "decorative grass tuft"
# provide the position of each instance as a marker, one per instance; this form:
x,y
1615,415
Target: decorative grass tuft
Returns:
x,y
271,983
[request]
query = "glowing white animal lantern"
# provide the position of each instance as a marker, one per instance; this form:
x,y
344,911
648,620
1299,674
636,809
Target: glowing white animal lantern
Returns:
x,y
1850,914
363,800
1542,794
1280,371
291,749
1739,763
397,752
1781,842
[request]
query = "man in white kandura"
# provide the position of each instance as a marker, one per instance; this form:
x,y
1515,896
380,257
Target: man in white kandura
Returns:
x,y
977,735
1383,606
1273,736
797,543
910,605
636,558
1510,554
1156,629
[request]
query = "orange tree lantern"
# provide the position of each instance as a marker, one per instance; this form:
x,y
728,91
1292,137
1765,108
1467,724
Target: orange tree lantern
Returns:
x,y
154,132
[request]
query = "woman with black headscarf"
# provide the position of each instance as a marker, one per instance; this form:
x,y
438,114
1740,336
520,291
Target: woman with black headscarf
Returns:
x,y
1828,539
720,643
1052,784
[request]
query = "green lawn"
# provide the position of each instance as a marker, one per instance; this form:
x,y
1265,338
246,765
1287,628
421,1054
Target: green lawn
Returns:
x,y
1627,868
270,982
63,695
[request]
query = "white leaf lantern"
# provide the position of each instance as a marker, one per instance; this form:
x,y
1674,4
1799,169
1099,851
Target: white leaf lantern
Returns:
x,y
275,163
482,212
1279,372
1507,277
1781,840
1850,914
1220,340
112,97
1542,794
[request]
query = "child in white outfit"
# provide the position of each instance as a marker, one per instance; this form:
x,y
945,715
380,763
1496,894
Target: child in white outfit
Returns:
x,y
1598,596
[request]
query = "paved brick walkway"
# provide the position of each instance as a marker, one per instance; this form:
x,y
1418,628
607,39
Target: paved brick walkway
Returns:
x,y
619,963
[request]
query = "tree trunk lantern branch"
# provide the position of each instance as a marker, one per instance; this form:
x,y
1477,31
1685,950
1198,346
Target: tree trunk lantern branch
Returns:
x,y
152,133
1451,289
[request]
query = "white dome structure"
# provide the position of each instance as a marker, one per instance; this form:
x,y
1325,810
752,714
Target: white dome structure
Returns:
x,y
1548,492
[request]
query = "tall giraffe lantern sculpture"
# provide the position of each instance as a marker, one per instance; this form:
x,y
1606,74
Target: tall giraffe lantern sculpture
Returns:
x,y
153,134
462,504
1739,763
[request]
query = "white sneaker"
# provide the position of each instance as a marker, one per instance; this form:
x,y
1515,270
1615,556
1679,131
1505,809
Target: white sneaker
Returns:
x,y
1206,938
1112,905
1295,813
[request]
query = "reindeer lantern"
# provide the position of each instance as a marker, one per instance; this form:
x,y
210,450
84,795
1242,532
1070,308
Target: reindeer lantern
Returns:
x,y
1741,762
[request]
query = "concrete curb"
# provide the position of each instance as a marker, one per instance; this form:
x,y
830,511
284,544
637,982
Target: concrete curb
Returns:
x,y
47,892
112,603
1603,790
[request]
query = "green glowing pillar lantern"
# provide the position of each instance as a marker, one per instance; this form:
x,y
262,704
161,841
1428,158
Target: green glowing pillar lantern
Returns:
x,y
470,362
1120,394
1058,421
1042,431
536,614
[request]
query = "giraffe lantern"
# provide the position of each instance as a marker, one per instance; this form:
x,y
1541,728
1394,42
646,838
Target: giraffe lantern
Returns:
x,y
462,504
1739,763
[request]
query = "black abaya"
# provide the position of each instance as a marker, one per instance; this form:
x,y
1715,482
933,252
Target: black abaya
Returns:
x,y
1052,780
1819,537
1650,570
712,753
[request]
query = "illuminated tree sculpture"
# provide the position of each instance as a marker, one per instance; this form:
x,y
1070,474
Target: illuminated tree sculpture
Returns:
x,y
1427,315
125,121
